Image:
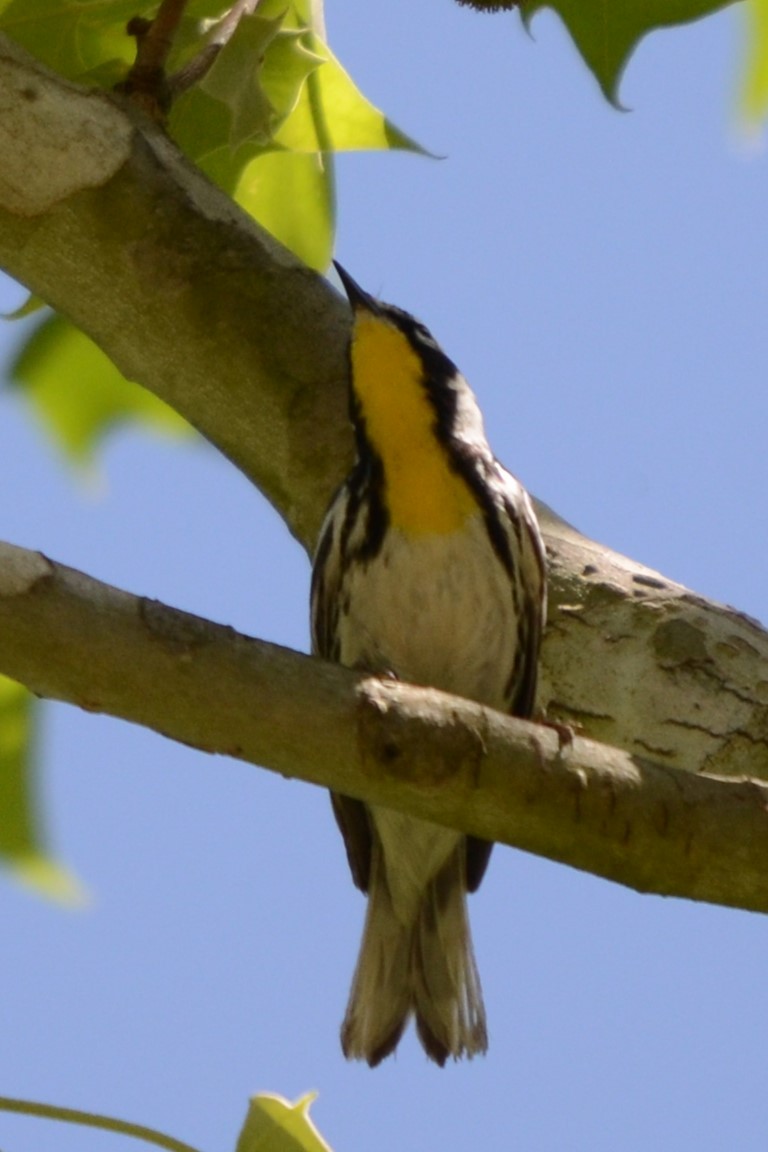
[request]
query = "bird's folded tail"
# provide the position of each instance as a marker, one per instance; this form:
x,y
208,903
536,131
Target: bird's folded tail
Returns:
x,y
425,966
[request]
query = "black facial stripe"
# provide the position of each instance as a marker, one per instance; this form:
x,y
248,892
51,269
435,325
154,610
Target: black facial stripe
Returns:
x,y
366,491
475,471
324,612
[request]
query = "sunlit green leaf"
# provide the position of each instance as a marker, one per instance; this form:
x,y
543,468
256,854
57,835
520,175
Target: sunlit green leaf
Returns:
x,y
235,81
80,38
290,61
292,195
754,99
333,115
273,1124
606,32
78,394
21,846
299,92
17,836
73,36
256,82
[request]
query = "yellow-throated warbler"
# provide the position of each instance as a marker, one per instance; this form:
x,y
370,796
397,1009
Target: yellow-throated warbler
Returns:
x,y
429,567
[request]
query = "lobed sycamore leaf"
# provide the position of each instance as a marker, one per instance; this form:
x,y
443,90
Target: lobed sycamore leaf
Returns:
x,y
606,32
273,1124
72,37
254,84
77,392
21,846
264,122
292,195
235,81
87,39
334,115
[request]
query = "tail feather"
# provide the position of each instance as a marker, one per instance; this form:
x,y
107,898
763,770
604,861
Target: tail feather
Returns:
x,y
380,997
425,966
447,997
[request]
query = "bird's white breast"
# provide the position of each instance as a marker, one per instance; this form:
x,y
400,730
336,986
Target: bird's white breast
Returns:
x,y
433,609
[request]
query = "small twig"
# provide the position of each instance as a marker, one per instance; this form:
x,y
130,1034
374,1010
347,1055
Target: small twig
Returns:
x,y
147,83
194,71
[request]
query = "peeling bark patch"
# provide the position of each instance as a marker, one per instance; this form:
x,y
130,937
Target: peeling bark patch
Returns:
x,y
727,651
656,750
721,685
648,581
740,644
578,717
81,140
692,726
678,642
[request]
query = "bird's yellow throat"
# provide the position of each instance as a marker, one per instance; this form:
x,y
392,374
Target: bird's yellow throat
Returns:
x,y
422,492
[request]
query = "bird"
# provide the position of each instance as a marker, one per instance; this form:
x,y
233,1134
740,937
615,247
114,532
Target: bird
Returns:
x,y
429,568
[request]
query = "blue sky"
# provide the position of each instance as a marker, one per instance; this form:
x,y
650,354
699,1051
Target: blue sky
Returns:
x,y
601,279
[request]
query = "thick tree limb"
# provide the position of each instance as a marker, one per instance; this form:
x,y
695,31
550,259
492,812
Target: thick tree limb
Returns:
x,y
101,216
419,750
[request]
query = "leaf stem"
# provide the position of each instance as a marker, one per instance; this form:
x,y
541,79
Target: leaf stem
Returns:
x,y
94,1120
221,33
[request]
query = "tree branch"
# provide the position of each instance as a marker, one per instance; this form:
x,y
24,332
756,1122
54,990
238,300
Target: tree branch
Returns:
x,y
415,749
101,216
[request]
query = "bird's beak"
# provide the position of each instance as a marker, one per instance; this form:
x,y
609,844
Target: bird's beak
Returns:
x,y
355,294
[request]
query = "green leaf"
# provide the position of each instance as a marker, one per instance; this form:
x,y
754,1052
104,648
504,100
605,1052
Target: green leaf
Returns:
x,y
258,76
16,809
253,85
334,116
78,394
606,32
292,196
273,1124
265,129
754,93
87,38
20,840
73,36
288,64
